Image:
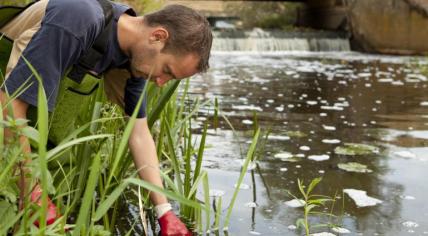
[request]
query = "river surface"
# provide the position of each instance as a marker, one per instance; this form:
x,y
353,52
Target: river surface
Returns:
x,y
313,103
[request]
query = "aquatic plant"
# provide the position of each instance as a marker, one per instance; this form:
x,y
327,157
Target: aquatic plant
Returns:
x,y
310,201
354,167
91,168
352,149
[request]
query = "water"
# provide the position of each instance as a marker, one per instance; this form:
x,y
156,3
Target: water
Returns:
x,y
261,40
326,99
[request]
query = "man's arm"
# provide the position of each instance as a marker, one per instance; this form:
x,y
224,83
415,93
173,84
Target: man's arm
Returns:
x,y
19,109
145,158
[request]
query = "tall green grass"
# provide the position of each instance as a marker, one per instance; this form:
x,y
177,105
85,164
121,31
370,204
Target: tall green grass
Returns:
x,y
90,170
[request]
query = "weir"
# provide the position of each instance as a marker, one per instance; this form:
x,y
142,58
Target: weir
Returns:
x,y
263,40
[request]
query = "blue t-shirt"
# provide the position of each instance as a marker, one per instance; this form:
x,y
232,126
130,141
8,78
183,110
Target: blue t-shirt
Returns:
x,y
68,29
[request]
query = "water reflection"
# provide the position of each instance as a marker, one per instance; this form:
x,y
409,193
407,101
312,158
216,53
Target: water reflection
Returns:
x,y
331,99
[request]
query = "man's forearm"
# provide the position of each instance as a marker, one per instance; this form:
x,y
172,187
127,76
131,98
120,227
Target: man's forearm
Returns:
x,y
145,159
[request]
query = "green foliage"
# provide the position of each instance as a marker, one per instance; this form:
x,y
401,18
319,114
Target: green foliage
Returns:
x,y
90,169
352,149
311,202
272,15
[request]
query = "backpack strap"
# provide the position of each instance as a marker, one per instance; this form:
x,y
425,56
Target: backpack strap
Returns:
x,y
96,52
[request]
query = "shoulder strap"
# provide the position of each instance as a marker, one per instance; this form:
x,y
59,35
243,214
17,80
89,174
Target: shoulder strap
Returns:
x,y
7,13
96,52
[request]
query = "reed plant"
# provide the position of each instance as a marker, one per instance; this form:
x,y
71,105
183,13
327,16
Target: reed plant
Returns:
x,y
91,168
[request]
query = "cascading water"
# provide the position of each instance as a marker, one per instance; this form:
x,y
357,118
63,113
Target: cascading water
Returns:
x,y
261,40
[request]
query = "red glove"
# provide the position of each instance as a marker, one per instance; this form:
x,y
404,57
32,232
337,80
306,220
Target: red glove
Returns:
x,y
52,213
172,226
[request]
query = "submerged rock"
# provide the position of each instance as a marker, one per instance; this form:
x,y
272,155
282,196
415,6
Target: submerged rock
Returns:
x,y
352,149
360,198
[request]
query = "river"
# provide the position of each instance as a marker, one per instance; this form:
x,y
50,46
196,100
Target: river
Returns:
x,y
313,103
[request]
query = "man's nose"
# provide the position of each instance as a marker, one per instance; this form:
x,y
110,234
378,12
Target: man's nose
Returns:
x,y
161,81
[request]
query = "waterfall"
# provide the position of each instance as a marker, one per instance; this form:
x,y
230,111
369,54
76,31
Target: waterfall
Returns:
x,y
261,40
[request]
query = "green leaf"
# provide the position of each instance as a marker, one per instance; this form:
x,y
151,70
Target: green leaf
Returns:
x,y
85,208
312,185
7,211
109,201
31,133
300,223
354,167
353,149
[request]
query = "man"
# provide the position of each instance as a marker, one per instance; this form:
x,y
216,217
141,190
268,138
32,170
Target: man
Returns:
x,y
169,44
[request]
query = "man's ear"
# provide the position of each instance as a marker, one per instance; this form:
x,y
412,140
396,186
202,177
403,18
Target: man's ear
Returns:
x,y
159,34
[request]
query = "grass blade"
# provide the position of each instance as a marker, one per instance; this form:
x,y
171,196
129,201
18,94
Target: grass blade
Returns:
x,y
241,177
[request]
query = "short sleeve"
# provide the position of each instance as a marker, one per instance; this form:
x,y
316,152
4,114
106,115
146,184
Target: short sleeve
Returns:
x,y
134,89
50,51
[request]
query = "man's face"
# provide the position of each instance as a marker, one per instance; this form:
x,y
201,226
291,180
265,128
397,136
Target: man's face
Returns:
x,y
149,62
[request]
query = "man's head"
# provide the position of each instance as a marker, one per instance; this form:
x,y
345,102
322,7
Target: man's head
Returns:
x,y
176,44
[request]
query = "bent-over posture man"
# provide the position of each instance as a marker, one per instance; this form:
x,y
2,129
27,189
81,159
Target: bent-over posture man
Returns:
x,y
169,44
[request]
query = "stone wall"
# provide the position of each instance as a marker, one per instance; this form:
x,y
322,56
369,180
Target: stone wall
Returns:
x,y
388,26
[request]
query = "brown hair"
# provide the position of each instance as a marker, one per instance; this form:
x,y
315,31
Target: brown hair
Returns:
x,y
189,32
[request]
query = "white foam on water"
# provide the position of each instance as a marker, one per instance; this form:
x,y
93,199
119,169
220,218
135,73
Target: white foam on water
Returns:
x,y
323,234
397,83
362,75
251,204
247,107
292,227
283,155
385,80
304,148
278,137
405,154
410,224
424,103
331,141
327,127
323,157
416,77
283,169
334,108
280,108
295,203
341,230
242,186
407,197
323,114
255,233
247,122
216,193
361,199
312,103
251,166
